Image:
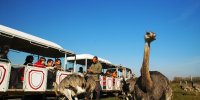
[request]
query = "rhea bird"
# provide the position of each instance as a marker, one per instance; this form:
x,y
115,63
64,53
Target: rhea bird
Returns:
x,y
151,85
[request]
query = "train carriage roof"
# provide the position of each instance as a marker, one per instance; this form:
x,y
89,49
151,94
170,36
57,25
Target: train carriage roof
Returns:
x,y
123,67
80,59
25,42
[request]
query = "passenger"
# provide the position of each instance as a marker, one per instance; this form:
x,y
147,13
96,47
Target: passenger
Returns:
x,y
80,70
17,75
4,52
28,61
51,74
4,58
40,63
108,73
58,65
114,74
49,64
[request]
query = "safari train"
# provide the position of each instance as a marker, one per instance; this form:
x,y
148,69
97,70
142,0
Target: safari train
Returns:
x,y
35,79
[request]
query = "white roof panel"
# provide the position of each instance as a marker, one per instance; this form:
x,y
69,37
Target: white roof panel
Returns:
x,y
28,37
87,56
25,42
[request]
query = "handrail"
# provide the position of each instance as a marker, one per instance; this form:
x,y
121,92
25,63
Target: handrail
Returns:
x,y
17,65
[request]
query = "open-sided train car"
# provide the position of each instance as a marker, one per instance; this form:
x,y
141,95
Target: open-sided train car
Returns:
x,y
108,82
35,79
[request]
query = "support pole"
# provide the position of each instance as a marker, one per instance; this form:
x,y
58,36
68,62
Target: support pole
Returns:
x,y
65,62
75,64
86,65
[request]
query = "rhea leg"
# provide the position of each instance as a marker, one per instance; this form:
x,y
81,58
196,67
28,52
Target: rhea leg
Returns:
x,y
68,93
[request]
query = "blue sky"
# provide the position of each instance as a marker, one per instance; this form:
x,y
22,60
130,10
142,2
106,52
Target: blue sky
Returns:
x,y
114,29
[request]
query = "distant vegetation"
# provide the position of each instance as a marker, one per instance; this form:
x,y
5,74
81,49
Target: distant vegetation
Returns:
x,y
178,79
179,93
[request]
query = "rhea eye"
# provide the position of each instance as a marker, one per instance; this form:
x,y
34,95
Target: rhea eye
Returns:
x,y
148,33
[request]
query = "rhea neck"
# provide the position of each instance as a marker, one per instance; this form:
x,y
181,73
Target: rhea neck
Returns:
x,y
146,55
145,74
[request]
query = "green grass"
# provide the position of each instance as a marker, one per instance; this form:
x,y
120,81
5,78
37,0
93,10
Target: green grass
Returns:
x,y
110,98
179,94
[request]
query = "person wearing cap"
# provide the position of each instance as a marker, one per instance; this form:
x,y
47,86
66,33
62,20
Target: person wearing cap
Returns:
x,y
96,69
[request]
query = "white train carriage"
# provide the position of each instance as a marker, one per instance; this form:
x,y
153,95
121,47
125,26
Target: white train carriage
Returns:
x,y
35,79
108,83
5,68
113,84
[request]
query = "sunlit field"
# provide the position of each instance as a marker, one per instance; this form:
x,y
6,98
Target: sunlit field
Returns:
x,y
178,94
